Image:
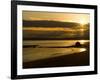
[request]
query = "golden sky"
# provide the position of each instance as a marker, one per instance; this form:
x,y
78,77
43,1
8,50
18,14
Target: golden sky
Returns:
x,y
56,16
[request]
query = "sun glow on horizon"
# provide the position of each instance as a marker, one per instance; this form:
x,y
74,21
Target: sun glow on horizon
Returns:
x,y
83,21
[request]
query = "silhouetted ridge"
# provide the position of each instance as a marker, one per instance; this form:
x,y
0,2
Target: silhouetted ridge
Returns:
x,y
45,23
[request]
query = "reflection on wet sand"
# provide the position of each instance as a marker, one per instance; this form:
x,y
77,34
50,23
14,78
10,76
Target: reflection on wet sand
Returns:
x,y
50,53
48,49
82,49
32,54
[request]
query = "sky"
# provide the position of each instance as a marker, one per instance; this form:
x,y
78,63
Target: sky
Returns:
x,y
81,18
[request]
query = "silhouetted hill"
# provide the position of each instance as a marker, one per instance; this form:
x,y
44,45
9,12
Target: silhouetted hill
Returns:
x,y
55,35
45,23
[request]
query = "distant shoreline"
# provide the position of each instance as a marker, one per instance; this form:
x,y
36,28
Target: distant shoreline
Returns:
x,y
56,39
38,46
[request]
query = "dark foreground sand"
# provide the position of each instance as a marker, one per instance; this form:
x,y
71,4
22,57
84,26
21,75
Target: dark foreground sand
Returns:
x,y
76,59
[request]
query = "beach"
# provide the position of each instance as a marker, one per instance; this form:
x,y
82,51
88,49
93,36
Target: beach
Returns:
x,y
53,56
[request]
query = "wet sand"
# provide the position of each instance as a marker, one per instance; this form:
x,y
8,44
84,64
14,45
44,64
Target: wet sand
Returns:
x,y
76,59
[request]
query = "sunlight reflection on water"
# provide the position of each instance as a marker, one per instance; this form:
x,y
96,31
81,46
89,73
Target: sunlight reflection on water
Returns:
x,y
82,41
